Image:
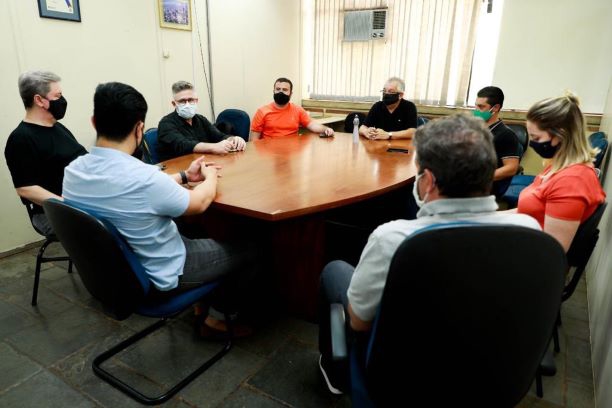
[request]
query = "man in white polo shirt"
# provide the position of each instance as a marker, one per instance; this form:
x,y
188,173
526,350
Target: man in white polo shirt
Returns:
x,y
455,162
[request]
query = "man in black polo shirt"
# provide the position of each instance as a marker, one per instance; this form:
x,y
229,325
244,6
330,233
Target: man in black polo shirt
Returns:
x,y
39,149
489,103
184,131
393,117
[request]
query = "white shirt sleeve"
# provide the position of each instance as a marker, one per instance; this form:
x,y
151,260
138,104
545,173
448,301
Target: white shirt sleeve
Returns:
x,y
166,196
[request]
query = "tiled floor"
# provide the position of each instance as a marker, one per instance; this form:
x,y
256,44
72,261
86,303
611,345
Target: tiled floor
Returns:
x,y
46,353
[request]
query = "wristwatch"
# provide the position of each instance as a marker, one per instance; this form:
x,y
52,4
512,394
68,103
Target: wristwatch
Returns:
x,y
390,135
184,179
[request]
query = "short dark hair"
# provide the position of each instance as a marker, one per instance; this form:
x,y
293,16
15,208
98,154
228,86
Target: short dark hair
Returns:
x,y
494,95
459,151
117,109
285,80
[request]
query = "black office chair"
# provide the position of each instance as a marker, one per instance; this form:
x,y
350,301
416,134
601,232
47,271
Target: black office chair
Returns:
x,y
460,321
239,121
113,275
40,257
578,256
348,121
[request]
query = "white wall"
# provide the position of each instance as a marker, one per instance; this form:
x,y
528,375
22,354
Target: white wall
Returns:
x,y
548,46
599,280
120,40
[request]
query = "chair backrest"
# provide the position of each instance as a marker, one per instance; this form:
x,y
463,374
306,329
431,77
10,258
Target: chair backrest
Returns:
x,y
463,320
239,120
599,140
582,247
521,133
421,120
150,155
108,268
348,121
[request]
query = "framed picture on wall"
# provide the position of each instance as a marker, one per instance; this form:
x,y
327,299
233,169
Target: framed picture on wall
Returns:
x,y
175,14
60,9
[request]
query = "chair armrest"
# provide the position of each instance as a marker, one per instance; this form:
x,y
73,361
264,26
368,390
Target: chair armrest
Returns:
x,y
338,332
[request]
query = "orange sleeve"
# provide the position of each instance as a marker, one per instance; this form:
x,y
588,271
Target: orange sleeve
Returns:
x,y
305,118
257,123
568,198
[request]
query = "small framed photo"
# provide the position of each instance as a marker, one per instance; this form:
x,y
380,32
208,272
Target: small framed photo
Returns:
x,y
175,14
60,9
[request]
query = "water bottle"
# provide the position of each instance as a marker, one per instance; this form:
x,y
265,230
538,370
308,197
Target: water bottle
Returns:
x,y
356,129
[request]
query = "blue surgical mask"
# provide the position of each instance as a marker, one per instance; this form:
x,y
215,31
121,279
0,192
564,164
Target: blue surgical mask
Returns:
x,y
186,110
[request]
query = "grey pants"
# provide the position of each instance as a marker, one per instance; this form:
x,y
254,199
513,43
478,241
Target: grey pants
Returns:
x,y
209,260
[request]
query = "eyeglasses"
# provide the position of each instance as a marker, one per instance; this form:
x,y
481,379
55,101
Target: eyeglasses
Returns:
x,y
389,92
190,101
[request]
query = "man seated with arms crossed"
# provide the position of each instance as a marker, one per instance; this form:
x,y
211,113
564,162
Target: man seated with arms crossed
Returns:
x,y
140,201
455,162
39,149
489,103
282,118
393,117
184,131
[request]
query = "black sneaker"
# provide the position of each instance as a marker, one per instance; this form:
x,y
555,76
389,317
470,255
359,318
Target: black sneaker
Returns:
x,y
330,387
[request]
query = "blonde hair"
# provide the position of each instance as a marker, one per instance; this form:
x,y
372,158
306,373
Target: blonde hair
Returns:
x,y
562,117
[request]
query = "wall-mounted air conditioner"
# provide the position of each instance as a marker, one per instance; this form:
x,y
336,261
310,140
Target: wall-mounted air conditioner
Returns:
x,y
364,25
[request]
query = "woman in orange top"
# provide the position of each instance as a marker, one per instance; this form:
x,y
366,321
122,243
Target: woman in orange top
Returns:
x,y
567,191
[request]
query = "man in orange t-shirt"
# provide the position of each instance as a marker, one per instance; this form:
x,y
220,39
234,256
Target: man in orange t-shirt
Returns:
x,y
282,118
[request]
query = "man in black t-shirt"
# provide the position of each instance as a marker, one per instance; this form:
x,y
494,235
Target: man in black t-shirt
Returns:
x,y
489,103
393,117
184,131
39,149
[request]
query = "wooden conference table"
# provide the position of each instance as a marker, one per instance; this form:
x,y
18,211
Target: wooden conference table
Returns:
x,y
282,189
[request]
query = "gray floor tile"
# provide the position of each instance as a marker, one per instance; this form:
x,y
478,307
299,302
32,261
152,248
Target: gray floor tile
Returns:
x,y
305,332
55,337
579,367
44,390
13,319
15,367
245,397
580,395
292,376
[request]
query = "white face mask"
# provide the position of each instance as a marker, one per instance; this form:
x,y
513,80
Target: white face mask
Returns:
x,y
186,110
415,191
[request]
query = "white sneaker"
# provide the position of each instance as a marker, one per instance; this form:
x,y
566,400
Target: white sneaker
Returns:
x,y
331,388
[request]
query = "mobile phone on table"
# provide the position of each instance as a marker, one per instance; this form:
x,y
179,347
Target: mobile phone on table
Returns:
x,y
397,150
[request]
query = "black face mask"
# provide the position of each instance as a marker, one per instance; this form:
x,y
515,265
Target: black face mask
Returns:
x,y
544,149
139,152
281,98
57,107
390,99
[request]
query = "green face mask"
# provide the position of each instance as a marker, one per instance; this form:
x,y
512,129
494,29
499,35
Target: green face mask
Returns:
x,y
486,115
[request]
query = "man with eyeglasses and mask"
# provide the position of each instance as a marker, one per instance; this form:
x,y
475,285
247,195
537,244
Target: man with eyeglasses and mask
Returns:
x,y
39,149
184,131
489,102
393,117
282,118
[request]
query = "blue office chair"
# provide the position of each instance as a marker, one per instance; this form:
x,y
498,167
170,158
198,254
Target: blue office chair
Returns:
x,y
149,147
460,321
113,275
598,140
421,120
521,133
239,120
